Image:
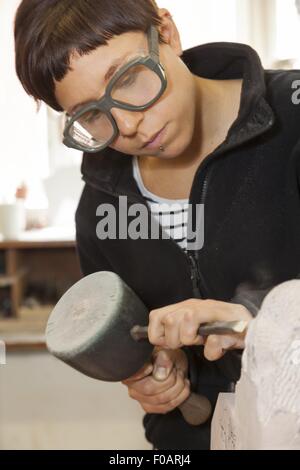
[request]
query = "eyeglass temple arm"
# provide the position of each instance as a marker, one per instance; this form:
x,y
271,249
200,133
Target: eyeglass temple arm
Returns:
x,y
153,39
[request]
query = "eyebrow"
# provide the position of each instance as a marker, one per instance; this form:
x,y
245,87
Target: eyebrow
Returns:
x,y
109,73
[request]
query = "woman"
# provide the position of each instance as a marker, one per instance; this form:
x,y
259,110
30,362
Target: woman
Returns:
x,y
206,128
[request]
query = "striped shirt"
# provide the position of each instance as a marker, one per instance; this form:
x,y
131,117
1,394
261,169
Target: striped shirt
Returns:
x,y
172,214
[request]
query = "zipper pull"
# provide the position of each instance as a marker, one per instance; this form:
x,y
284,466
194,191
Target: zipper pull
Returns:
x,y
194,276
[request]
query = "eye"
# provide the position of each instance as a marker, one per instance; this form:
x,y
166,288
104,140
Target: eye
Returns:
x,y
90,116
126,80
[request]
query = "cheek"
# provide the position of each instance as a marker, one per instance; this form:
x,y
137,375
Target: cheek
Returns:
x,y
117,145
122,145
177,101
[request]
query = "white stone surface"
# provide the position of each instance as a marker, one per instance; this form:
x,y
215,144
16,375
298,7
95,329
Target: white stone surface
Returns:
x,y
264,412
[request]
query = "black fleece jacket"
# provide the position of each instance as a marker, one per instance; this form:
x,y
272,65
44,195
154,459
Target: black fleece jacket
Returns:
x,y
250,188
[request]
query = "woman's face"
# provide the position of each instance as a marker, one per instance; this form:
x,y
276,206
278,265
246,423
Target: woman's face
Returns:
x,y
174,112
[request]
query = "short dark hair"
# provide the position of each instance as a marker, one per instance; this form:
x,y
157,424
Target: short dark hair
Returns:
x,y
47,32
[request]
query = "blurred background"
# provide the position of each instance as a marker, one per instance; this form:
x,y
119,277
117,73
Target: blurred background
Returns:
x,y
44,404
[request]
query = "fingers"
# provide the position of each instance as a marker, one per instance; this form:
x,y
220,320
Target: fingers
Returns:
x,y
171,399
177,325
157,319
217,345
166,394
163,364
174,329
181,329
189,326
143,372
149,386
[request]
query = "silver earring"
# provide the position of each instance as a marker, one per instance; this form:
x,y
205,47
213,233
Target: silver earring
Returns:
x,y
161,148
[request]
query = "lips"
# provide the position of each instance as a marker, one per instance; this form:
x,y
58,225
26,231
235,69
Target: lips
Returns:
x,y
153,138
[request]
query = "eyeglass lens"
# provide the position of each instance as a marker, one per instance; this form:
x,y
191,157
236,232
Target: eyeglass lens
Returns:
x,y
138,86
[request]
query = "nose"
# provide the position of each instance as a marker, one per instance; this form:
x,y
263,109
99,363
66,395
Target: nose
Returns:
x,y
127,121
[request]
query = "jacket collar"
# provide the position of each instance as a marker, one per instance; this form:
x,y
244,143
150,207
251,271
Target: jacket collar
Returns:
x,y
111,170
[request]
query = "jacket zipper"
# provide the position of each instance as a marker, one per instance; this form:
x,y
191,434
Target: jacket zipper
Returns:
x,y
191,257
194,276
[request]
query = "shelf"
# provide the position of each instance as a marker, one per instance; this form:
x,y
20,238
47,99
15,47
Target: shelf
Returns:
x,y
7,281
49,237
28,331
45,258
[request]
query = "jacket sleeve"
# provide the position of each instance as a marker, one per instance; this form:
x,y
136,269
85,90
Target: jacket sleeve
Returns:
x,y
91,257
298,172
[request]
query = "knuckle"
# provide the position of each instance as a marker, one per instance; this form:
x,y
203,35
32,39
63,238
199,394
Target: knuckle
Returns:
x,y
152,314
172,404
166,396
207,303
188,339
189,329
188,316
169,320
151,335
187,392
147,389
161,399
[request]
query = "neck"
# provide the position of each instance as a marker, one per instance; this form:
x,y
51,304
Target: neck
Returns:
x,y
217,106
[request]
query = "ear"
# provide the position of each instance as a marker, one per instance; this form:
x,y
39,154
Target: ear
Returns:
x,y
169,31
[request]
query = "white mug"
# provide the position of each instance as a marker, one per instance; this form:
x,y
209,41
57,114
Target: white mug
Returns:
x,y
12,220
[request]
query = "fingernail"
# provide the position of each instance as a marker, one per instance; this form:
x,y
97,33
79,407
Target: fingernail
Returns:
x,y
160,373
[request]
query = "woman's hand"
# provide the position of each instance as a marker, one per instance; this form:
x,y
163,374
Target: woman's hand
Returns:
x,y
162,386
177,325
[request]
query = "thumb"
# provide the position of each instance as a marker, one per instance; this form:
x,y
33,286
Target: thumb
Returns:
x,y
217,345
163,365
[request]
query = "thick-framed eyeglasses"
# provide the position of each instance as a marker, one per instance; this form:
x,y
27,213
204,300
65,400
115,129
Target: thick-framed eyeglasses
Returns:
x,y
135,87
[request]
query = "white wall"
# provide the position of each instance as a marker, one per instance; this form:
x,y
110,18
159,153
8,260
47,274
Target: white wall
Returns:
x,y
30,145
287,23
201,21
247,21
24,150
23,131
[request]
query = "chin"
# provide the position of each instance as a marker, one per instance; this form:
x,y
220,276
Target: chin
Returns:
x,y
176,148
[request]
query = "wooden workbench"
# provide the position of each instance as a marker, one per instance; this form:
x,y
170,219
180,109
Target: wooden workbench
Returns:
x,y
37,256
